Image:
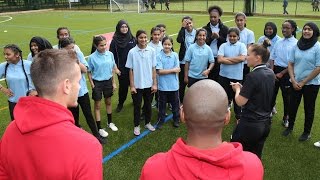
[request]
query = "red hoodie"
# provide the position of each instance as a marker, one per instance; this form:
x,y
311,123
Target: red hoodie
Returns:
x,y
228,161
43,143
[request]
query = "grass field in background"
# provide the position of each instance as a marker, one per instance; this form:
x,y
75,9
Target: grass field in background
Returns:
x,y
283,158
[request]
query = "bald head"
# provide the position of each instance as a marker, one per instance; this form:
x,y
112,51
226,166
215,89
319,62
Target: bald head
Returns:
x,y
205,106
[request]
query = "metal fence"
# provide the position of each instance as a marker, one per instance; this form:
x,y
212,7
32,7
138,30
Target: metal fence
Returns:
x,y
295,7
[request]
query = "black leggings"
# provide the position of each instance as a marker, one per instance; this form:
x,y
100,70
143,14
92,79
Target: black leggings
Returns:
x,y
84,102
11,108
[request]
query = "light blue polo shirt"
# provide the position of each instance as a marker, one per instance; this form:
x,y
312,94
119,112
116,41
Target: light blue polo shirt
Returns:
x,y
247,36
305,62
157,47
199,57
281,51
272,42
141,61
16,79
83,83
214,43
168,82
101,65
188,40
30,58
232,71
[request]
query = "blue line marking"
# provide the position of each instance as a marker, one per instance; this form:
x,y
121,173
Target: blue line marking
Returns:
x,y
130,143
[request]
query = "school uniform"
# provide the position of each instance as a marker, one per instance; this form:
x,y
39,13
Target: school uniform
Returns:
x,y
280,57
101,66
168,85
255,122
231,72
18,82
185,39
305,61
142,62
247,38
84,100
30,58
198,58
215,44
272,42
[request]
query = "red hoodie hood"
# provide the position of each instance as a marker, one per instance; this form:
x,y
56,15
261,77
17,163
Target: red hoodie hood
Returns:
x,y
228,161
27,114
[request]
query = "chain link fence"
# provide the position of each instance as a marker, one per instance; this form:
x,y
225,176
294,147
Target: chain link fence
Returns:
x,y
295,7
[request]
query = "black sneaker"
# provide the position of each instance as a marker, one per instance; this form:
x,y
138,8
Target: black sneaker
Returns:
x,y
304,136
159,124
102,140
286,132
119,107
176,124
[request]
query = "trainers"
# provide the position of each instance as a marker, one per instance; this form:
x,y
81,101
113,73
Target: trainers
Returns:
x,y
103,133
170,106
150,127
113,127
119,107
159,124
285,123
286,132
155,105
304,136
136,130
274,111
317,144
101,140
176,124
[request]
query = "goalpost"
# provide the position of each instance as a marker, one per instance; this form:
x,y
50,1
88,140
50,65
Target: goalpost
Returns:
x,y
127,5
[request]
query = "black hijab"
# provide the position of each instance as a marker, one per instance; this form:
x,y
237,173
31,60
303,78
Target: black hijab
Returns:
x,y
274,27
304,44
121,39
42,44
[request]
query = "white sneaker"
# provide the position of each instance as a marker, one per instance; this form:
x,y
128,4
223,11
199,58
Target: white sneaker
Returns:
x,y
150,127
113,127
274,110
103,133
136,130
317,144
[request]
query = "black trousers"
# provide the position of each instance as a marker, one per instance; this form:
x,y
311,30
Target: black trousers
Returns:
x,y
214,73
182,84
285,85
191,81
137,99
173,98
252,135
225,83
84,102
124,83
309,93
11,108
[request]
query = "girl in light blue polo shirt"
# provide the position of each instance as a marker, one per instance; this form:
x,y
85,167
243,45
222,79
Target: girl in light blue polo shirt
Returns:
x,y
101,67
304,69
141,62
17,76
246,36
36,45
197,57
168,68
232,55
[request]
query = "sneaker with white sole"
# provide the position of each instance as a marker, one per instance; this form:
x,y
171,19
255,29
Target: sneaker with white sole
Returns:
x,y
150,127
285,123
317,144
103,133
274,110
136,130
113,127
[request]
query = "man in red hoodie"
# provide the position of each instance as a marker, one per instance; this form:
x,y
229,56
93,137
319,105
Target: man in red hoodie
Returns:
x,y
43,142
203,155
